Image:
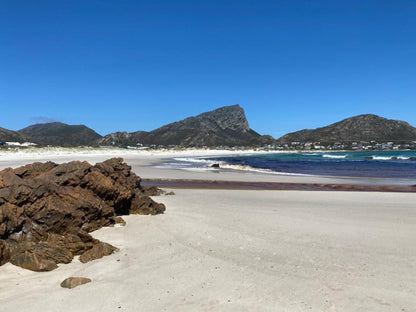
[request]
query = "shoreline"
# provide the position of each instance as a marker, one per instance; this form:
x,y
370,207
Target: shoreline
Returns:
x,y
176,163
276,186
151,164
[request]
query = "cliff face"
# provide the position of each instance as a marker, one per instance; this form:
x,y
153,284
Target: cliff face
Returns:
x,y
359,128
60,134
224,126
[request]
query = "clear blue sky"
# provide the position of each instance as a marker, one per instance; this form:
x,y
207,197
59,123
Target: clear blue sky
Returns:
x,y
137,65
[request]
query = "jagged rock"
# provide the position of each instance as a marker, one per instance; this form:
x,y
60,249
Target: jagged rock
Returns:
x,y
72,282
8,177
153,191
77,243
34,170
11,218
4,252
146,206
34,262
119,220
47,210
98,251
42,256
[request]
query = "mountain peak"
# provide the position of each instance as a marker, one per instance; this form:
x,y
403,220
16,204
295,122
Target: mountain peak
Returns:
x,y
227,117
223,126
365,127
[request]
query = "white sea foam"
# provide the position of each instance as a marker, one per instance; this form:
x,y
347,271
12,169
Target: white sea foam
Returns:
x,y
391,157
252,169
334,156
174,165
381,157
192,159
403,158
223,165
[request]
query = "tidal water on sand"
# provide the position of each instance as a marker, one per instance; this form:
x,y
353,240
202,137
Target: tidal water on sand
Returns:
x,y
372,164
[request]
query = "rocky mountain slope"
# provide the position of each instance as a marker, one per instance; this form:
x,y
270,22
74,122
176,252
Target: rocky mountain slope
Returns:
x,y
358,128
11,136
60,134
122,138
224,126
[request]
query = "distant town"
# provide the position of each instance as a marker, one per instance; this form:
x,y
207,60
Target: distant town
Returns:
x,y
293,146
355,146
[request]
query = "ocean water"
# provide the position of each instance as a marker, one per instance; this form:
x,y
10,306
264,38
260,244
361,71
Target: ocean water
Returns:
x,y
383,164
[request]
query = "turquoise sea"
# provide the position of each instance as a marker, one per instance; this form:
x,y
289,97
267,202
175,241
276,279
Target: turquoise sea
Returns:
x,y
377,164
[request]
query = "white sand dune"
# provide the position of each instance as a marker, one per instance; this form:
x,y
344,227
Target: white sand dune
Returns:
x,y
221,250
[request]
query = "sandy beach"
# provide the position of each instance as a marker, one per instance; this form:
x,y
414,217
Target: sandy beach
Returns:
x,y
235,250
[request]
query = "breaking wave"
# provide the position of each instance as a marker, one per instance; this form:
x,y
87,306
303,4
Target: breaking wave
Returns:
x,y
193,159
390,157
249,168
334,156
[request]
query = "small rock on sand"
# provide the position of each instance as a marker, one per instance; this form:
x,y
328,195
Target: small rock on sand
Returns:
x,y
72,282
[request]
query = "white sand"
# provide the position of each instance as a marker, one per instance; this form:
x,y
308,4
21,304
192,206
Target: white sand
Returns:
x,y
217,250
147,164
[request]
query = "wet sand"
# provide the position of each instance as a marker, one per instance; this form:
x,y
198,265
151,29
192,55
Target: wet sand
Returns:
x,y
276,186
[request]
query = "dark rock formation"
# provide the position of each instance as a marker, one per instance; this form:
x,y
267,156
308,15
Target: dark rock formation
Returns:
x,y
47,210
72,282
224,126
119,220
359,128
60,134
152,191
97,251
41,256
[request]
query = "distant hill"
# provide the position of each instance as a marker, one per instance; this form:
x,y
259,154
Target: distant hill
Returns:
x,y
359,128
12,136
60,134
122,138
224,126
